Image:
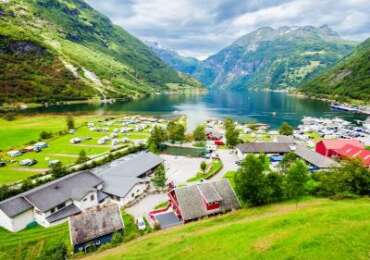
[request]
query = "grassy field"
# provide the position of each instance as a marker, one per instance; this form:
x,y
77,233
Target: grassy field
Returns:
x,y
318,229
28,244
26,129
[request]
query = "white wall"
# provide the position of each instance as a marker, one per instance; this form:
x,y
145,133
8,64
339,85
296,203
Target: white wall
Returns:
x,y
17,223
86,201
137,190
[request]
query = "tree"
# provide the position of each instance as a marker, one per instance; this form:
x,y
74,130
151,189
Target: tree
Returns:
x,y
199,133
288,159
232,134
296,178
70,122
276,183
286,129
203,166
351,177
82,157
45,135
157,137
176,131
58,170
251,182
159,179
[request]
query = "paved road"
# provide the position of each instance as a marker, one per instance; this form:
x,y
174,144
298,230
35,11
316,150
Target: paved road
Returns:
x,y
146,205
228,159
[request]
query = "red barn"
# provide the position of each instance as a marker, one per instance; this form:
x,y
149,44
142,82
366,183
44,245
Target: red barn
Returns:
x,y
352,152
329,147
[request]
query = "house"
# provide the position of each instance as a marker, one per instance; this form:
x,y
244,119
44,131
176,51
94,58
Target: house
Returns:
x,y
51,203
129,178
316,160
266,148
201,200
328,147
287,139
353,152
95,227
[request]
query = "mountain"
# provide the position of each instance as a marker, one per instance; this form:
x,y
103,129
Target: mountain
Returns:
x,y
274,58
186,65
65,50
349,79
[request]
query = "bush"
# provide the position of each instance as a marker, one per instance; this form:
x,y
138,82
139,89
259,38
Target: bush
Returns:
x,y
45,135
9,116
117,238
57,251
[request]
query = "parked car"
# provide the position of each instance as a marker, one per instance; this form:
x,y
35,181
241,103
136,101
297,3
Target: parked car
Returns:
x,y
140,223
28,162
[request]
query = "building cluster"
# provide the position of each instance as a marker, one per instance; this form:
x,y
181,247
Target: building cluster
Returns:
x,y
54,202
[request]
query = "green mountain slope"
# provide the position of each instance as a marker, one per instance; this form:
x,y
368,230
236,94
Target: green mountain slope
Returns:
x,y
318,229
64,49
274,58
349,79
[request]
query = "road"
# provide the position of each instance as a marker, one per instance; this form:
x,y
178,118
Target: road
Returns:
x,y
228,160
146,205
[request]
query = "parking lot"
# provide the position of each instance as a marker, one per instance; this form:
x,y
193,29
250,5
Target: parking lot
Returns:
x,y
179,169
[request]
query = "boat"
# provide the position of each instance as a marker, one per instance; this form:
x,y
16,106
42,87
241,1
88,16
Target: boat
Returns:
x,y
341,107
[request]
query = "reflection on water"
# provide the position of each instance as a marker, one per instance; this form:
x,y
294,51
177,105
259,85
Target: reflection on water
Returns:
x,y
246,106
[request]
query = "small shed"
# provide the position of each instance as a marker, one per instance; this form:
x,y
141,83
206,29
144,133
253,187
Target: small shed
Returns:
x,y
95,227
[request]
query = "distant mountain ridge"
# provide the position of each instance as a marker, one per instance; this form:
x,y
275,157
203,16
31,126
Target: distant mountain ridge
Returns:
x,y
349,79
66,50
186,65
270,58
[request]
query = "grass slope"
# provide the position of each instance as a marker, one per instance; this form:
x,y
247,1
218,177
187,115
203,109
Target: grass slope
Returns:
x,y
65,50
318,229
349,79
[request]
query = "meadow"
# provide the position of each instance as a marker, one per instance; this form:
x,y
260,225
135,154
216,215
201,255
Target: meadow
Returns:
x,y
16,134
317,229
29,243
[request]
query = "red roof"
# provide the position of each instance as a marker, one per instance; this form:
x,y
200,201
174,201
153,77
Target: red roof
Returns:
x,y
350,151
337,144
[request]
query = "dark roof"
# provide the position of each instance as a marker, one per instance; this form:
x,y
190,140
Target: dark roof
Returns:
x,y
264,147
94,223
288,139
63,213
315,158
124,175
192,205
133,166
15,206
102,196
73,186
50,195
167,220
209,193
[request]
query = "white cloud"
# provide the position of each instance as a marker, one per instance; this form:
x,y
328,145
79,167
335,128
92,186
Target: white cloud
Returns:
x,y
200,27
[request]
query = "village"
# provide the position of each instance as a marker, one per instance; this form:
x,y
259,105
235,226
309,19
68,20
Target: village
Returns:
x,y
160,183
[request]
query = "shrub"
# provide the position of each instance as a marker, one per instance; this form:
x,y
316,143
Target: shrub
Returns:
x,y
117,238
57,251
45,135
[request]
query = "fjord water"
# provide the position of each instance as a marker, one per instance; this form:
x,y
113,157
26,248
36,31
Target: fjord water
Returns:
x,y
271,108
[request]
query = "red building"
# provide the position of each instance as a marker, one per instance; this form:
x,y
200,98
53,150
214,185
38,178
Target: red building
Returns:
x,y
352,152
344,149
329,148
204,199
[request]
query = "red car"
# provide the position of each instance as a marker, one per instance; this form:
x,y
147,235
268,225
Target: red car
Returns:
x,y
219,142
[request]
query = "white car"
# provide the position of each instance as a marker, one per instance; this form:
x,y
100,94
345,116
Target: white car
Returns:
x,y
140,223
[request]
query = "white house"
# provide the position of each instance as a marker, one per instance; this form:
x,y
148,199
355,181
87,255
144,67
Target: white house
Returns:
x,y
54,202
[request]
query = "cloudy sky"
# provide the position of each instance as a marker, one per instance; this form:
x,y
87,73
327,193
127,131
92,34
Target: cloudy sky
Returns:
x,y
200,28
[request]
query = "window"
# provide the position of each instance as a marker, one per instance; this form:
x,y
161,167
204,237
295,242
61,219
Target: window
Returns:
x,y
92,197
60,206
52,211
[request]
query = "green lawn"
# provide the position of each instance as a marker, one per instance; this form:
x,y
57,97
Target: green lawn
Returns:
x,y
318,229
25,129
27,244
212,169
